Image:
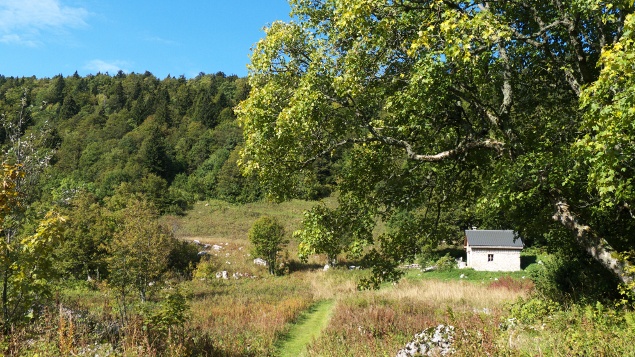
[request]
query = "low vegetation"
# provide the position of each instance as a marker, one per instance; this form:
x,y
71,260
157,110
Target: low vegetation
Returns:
x,y
252,313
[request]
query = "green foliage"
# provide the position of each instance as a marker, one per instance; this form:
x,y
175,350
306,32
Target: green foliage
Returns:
x,y
139,251
83,250
26,262
461,113
570,276
206,269
131,128
171,314
183,258
267,237
331,231
445,263
533,310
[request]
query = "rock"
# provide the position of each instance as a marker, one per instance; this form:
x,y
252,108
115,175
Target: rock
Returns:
x,y
217,247
433,341
412,266
260,261
463,276
222,275
327,267
197,242
202,253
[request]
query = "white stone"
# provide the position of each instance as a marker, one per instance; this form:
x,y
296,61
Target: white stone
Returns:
x,y
260,261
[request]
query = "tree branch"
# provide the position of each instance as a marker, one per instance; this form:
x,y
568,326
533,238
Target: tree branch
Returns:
x,y
460,149
597,247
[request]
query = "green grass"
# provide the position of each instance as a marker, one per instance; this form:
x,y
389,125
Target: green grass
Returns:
x,y
469,275
217,219
308,327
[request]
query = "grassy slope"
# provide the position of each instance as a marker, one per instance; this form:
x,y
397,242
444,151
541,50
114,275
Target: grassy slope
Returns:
x,y
221,220
307,327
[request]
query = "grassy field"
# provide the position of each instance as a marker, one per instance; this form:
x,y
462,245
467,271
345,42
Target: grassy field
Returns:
x,y
321,313
239,312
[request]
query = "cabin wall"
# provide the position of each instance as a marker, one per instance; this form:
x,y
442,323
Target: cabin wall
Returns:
x,y
501,259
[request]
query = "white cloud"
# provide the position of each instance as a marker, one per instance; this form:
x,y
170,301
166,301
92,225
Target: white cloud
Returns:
x,y
22,20
13,38
112,67
160,40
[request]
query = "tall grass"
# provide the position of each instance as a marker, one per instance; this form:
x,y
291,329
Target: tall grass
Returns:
x,y
379,323
247,316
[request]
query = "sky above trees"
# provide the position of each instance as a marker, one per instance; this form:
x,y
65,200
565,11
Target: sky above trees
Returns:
x,y
48,37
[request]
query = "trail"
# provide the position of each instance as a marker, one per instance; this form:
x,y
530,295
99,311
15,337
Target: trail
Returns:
x,y
308,327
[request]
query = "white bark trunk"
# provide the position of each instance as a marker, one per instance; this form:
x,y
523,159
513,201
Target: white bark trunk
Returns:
x,y
597,247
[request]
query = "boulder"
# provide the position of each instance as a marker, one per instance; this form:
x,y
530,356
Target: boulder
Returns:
x,y
433,341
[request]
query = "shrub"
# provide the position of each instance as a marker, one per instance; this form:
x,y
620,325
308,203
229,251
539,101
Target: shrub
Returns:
x,y
445,263
268,237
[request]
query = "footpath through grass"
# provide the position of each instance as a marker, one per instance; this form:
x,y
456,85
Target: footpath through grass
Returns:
x,y
308,327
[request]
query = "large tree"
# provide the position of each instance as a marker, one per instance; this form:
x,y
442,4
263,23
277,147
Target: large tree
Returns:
x,y
430,105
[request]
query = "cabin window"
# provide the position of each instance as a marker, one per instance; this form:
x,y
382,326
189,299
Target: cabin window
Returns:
x,y
490,257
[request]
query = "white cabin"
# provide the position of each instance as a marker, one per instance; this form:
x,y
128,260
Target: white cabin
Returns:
x,y
493,250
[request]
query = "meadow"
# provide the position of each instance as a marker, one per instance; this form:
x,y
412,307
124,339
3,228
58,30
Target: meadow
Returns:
x,y
312,312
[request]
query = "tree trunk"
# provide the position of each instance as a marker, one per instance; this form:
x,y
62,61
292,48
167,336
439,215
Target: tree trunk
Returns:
x,y
597,247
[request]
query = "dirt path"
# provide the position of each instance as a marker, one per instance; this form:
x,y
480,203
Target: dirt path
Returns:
x,y
308,327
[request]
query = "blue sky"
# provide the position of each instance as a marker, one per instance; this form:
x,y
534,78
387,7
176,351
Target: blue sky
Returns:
x,y
48,37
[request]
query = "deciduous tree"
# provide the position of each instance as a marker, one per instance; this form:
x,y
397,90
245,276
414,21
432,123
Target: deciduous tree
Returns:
x,y
267,237
439,97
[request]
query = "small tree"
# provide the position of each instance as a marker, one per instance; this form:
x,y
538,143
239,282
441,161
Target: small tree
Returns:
x,y
268,238
139,251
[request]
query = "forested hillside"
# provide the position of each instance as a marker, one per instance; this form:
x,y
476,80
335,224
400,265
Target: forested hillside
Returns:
x,y
173,140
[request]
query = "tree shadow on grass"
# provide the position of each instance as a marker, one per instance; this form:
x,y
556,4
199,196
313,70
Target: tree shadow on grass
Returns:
x,y
295,266
527,260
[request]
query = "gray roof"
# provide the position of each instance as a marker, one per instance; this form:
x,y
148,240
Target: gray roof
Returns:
x,y
485,238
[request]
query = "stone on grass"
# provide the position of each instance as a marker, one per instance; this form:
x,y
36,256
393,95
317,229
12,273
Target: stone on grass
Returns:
x,y
260,261
433,341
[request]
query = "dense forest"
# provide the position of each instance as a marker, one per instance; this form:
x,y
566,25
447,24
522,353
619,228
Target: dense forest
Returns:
x,y
168,139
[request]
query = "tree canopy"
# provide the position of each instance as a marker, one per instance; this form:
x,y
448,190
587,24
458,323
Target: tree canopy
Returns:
x,y
461,112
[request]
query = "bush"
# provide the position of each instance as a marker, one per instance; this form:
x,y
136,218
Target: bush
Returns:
x,y
206,268
268,237
446,263
573,276
183,258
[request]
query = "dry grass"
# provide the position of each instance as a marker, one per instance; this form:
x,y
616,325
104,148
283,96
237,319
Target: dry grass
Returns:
x,y
459,295
381,322
246,316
